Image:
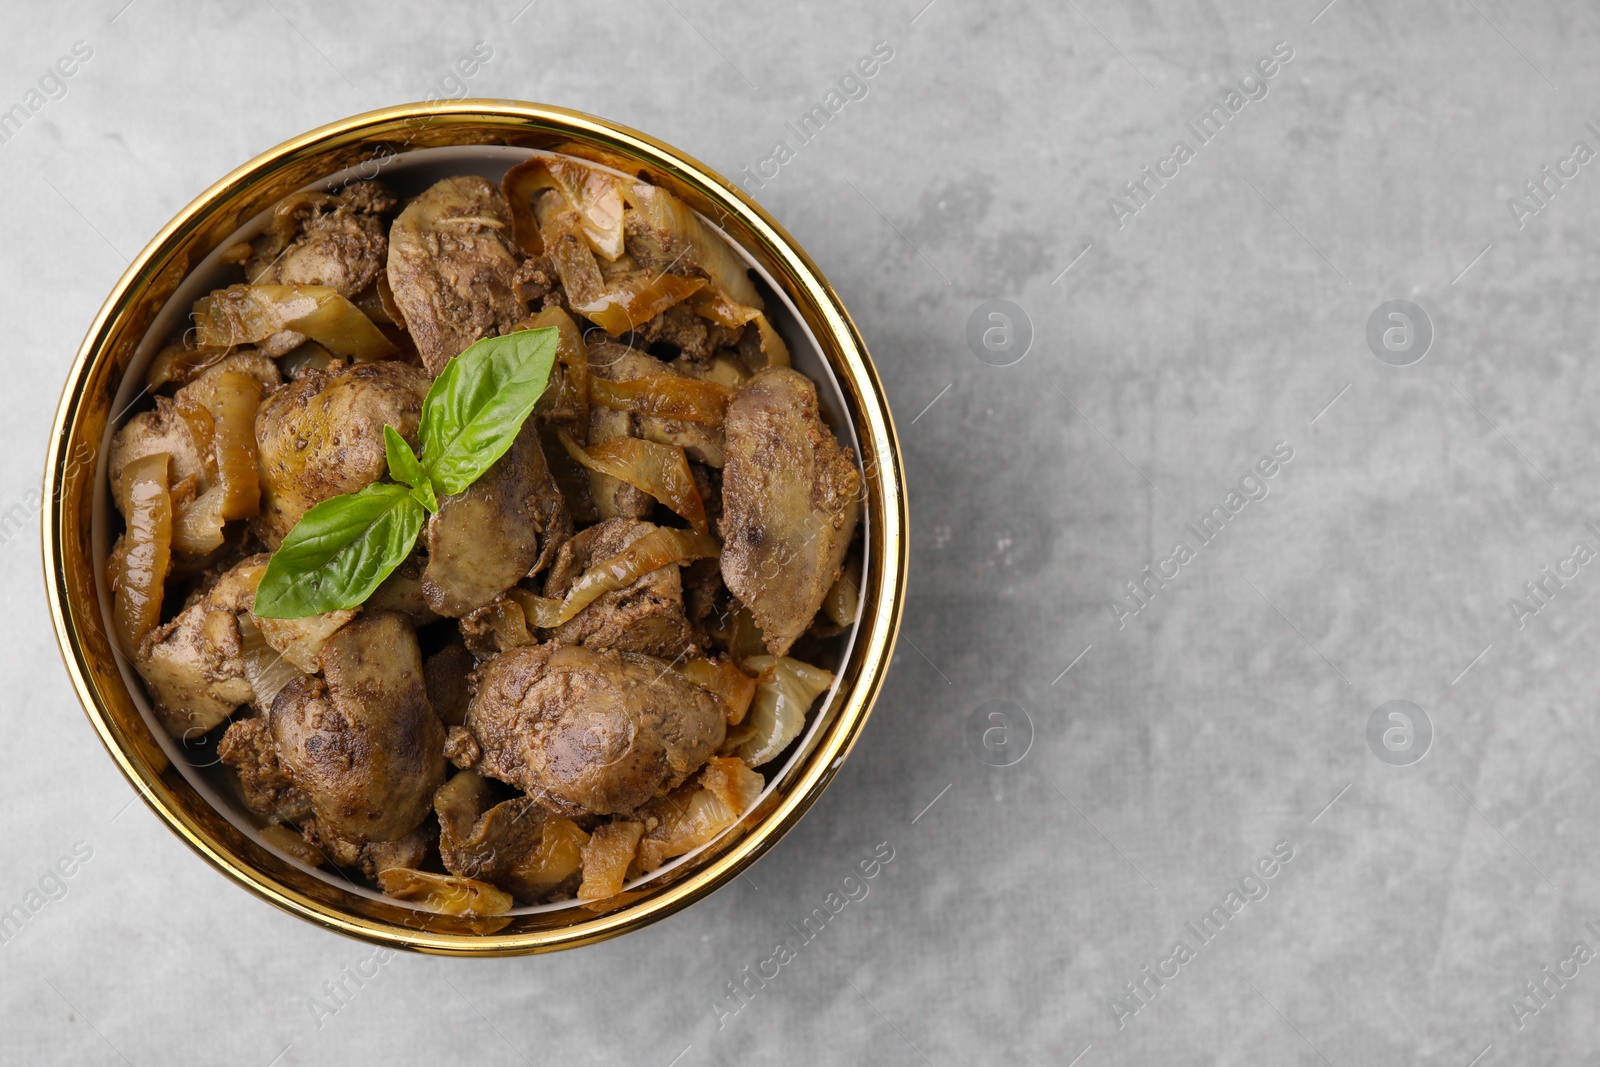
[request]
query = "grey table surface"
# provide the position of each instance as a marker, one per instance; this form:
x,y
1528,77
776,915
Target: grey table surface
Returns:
x,y
1429,912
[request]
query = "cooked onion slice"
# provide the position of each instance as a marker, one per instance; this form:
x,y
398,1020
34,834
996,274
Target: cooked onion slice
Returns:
x,y
635,298
233,406
665,396
309,356
595,154
654,550
606,858
844,598
202,431
662,211
567,396
372,303
657,469
558,857
448,894
197,529
176,364
594,195
731,299
785,690
391,310
300,641
741,634
724,311
264,666
286,220
736,785
771,343
721,677
521,186
286,840
561,229
245,314
689,817
498,626
139,570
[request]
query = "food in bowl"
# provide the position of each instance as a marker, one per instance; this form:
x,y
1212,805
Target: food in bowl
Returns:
x,y
487,536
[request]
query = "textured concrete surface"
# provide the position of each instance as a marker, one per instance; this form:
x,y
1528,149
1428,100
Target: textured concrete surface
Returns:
x,y
1176,341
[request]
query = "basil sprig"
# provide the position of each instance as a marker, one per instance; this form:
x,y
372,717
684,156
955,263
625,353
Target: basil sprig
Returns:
x,y
478,404
339,552
407,469
343,548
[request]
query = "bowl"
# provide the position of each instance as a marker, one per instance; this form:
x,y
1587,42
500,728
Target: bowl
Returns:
x,y
406,144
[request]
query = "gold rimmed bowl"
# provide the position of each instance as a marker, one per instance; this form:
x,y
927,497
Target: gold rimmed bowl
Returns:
x,y
411,146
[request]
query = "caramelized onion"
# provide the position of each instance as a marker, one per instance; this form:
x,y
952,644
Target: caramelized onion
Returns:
x,y
264,666
665,396
606,858
202,431
567,397
732,782
370,302
662,211
731,300
139,571
286,840
558,857
635,298
690,816
719,308
595,154
651,467
843,599
654,550
309,356
785,691
197,529
498,626
592,194
771,342
391,310
182,493
176,364
448,894
233,405
245,314
727,681
562,232
520,186
745,638
285,222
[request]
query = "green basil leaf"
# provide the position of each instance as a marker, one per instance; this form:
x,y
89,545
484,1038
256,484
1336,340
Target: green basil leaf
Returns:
x,y
339,552
406,468
478,403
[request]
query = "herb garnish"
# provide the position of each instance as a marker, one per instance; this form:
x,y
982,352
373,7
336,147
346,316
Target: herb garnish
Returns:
x,y
343,548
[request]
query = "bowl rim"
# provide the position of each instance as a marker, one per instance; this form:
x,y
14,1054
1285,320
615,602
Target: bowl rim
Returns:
x,y
79,631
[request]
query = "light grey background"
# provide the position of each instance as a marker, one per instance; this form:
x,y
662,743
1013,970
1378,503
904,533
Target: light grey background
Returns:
x,y
1228,716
